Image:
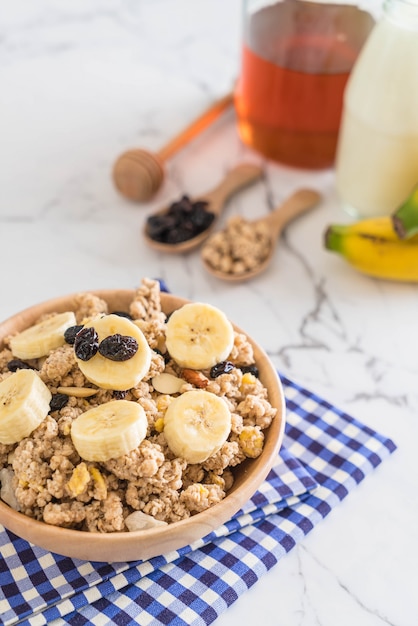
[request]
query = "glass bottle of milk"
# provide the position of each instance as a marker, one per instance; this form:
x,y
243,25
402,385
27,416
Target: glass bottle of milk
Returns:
x,y
377,153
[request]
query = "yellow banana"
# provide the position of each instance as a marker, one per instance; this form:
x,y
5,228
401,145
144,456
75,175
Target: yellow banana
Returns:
x,y
373,247
376,226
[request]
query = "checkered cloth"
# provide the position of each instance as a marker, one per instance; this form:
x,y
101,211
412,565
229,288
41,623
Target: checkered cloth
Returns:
x,y
326,453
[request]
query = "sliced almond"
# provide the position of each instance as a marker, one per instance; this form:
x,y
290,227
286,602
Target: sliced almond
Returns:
x,y
78,392
167,383
141,521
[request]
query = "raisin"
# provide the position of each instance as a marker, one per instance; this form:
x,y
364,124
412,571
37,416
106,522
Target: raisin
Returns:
x,y
58,401
119,395
122,314
17,364
118,347
250,369
156,226
177,235
71,332
224,367
201,217
159,225
86,344
183,220
182,206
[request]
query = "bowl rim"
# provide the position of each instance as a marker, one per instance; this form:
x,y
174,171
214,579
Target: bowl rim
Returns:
x,y
144,544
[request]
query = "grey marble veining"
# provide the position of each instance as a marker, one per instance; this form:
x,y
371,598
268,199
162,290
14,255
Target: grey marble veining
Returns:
x,y
80,83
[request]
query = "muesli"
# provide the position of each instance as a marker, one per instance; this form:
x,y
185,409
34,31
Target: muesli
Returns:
x,y
120,420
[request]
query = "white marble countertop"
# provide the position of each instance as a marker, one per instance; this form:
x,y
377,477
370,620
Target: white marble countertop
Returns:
x,y
81,82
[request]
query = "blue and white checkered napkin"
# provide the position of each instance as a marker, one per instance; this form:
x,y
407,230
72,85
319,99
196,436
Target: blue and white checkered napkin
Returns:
x,y
325,454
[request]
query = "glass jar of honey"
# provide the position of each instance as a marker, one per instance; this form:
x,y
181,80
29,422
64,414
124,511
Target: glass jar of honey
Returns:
x,y
295,62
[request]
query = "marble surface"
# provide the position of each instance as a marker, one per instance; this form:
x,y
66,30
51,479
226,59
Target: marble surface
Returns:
x,y
80,83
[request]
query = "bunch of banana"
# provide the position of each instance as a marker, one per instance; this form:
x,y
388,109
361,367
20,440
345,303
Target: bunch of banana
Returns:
x,y
373,247
383,247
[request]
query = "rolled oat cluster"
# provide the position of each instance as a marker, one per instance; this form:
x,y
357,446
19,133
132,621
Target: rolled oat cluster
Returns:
x,y
238,249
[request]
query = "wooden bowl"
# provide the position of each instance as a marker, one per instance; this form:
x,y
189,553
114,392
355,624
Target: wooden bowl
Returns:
x,y
142,545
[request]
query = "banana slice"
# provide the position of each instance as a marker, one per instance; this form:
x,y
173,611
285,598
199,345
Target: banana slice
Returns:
x,y
118,375
40,339
196,425
109,430
199,335
24,404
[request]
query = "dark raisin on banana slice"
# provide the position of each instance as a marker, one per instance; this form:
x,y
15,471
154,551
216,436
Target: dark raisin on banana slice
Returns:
x,y
86,344
118,347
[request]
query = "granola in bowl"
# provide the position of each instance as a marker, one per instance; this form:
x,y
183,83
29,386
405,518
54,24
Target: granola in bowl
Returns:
x,y
143,418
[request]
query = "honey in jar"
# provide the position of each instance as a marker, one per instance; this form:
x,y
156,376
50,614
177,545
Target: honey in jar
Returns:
x,y
296,59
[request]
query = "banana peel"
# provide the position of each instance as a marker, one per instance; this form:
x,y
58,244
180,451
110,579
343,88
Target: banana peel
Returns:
x,y
373,247
405,218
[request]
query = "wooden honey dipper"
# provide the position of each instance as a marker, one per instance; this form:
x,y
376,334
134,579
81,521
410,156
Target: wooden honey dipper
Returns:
x,y
138,174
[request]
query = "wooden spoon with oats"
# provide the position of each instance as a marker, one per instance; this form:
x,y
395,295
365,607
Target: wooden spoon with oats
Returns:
x,y
234,256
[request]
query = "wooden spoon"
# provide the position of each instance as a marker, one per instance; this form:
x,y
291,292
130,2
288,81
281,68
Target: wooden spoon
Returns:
x,y
138,173
298,203
235,180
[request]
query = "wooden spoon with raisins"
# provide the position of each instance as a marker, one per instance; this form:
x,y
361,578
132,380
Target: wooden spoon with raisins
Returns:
x,y
186,223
